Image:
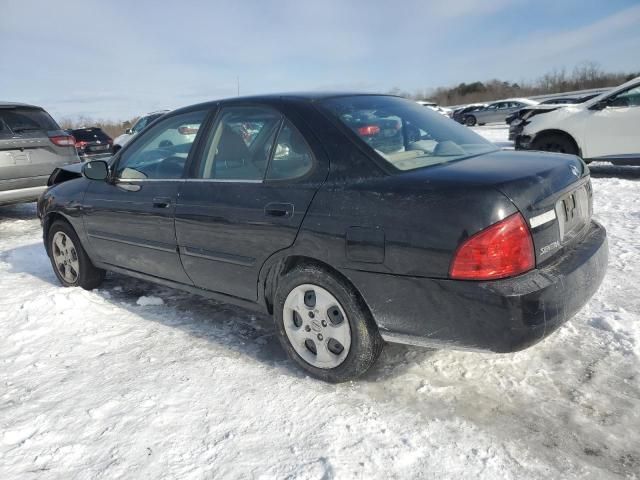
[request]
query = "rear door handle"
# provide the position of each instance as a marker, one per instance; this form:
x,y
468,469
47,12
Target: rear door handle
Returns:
x,y
283,210
161,202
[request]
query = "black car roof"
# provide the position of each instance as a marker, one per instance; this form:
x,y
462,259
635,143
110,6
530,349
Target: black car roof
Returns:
x,y
272,97
17,104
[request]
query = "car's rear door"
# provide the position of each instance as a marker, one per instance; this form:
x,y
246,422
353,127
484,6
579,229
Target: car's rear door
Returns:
x,y
255,178
129,220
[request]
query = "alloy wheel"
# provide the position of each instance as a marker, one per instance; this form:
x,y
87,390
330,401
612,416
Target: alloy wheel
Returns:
x,y
317,326
65,257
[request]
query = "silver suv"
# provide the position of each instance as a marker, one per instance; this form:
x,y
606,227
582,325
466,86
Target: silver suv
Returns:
x,y
32,145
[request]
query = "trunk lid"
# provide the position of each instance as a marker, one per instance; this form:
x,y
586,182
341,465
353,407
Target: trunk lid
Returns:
x,y
552,192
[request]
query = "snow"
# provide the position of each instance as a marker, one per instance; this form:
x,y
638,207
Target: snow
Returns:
x,y
135,380
144,301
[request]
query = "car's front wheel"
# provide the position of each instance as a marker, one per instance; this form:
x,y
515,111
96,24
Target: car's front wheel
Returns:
x,y
70,262
554,142
324,326
470,120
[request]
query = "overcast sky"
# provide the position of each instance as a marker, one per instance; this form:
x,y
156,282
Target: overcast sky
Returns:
x,y
116,59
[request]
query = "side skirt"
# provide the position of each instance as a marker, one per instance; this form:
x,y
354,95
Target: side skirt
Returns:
x,y
221,297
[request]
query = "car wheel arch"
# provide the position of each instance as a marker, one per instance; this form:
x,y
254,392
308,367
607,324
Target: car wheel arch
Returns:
x,y
556,131
284,264
48,220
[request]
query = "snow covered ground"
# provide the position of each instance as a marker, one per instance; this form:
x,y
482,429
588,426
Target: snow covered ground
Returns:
x,y
139,381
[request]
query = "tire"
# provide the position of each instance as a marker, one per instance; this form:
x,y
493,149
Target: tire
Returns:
x,y
554,142
333,318
69,260
470,120
115,149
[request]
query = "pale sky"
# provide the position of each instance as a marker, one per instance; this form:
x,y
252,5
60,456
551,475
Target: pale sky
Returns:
x,y
118,59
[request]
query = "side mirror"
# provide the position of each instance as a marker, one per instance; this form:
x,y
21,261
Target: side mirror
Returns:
x,y
128,131
601,105
96,170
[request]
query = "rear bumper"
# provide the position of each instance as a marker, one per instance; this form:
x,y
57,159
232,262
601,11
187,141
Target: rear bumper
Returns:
x,y
21,195
499,316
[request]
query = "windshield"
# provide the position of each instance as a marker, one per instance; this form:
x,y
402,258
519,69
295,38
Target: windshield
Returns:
x,y
405,134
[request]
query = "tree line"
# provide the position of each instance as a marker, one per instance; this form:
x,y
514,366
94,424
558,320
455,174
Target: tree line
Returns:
x,y
584,76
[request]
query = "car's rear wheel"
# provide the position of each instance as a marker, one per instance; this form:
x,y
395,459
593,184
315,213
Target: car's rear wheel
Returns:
x,y
70,262
470,120
554,142
324,326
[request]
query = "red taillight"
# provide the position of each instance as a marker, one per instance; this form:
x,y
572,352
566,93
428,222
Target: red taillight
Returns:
x,y
63,140
502,250
369,131
81,144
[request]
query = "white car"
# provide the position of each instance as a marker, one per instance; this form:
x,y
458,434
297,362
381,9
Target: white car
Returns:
x,y
142,122
606,127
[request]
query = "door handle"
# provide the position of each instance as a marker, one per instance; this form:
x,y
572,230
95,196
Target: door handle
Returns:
x,y
161,202
283,210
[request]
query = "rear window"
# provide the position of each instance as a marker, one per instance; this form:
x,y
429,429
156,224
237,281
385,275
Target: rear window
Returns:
x,y
20,120
405,134
89,134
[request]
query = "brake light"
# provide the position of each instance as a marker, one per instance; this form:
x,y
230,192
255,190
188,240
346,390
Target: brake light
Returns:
x,y
369,131
81,144
63,140
504,249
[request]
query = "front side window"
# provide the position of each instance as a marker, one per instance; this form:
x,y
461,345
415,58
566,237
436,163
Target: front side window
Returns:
x,y
405,135
240,144
627,98
162,151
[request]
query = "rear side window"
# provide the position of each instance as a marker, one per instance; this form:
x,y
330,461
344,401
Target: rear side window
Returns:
x,y
20,120
240,144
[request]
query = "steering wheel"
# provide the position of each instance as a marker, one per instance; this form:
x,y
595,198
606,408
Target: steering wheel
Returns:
x,y
170,167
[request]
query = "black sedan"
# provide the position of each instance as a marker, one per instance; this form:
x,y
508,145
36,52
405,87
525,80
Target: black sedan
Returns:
x,y
352,219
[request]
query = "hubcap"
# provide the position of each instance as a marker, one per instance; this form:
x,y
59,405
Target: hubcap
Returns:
x,y
317,326
65,257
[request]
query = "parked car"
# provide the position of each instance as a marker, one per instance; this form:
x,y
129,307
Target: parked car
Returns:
x,y
352,219
604,128
459,113
91,143
496,111
447,112
547,105
121,140
517,119
32,145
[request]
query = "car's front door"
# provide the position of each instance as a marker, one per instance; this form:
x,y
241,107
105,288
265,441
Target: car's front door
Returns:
x,y
255,178
614,130
129,219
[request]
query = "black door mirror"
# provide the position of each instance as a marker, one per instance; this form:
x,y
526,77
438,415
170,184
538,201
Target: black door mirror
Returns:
x,y
96,170
128,131
601,105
